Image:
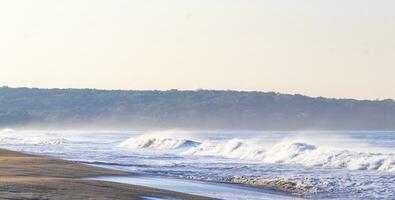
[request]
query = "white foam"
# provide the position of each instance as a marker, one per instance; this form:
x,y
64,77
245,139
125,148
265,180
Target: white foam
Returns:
x,y
286,151
303,186
292,152
34,141
302,151
157,141
6,130
296,152
234,148
370,153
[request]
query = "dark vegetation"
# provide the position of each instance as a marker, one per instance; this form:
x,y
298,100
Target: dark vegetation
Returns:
x,y
201,109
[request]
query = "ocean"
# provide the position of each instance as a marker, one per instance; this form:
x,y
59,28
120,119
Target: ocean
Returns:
x,y
231,164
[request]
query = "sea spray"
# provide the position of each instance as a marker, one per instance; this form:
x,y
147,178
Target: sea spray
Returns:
x,y
6,130
287,151
157,142
345,165
234,148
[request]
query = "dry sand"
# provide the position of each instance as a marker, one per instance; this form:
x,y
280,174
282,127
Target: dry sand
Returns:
x,y
25,176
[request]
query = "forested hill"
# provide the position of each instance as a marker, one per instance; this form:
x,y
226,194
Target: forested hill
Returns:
x,y
202,109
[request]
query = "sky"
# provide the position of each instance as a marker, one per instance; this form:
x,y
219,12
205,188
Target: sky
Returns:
x,y
331,48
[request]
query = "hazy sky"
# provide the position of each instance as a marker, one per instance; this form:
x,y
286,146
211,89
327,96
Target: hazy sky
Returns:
x,y
334,48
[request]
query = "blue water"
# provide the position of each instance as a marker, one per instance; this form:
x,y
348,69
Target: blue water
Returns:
x,y
336,165
215,190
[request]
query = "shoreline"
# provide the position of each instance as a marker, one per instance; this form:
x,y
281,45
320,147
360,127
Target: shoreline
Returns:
x,y
25,176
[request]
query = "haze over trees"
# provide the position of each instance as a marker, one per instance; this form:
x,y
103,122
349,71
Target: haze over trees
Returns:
x,y
201,109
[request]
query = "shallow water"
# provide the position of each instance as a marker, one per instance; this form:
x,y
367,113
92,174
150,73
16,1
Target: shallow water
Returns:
x,y
325,164
215,190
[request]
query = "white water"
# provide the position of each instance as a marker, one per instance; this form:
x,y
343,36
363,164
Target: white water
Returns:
x,y
158,141
289,151
348,165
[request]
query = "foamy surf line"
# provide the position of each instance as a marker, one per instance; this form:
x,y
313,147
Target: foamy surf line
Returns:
x,y
10,136
210,189
251,159
285,152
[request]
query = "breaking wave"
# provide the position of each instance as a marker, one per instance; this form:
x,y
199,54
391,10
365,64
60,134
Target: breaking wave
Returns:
x,y
13,140
234,148
157,142
284,152
291,152
6,130
10,136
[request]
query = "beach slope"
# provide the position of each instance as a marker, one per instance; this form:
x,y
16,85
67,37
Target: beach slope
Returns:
x,y
24,176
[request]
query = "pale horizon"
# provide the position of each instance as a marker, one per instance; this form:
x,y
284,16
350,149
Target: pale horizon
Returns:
x,y
335,49
197,99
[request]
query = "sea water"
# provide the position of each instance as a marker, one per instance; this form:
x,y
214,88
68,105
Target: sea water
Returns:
x,y
303,164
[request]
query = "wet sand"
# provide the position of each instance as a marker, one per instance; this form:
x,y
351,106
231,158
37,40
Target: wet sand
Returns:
x,y
24,176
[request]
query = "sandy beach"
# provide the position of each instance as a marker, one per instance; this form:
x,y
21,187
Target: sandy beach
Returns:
x,y
24,176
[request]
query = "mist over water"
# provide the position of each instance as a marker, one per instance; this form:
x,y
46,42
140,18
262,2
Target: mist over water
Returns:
x,y
313,163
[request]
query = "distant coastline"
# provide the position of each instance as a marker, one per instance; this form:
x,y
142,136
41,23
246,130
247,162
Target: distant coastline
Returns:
x,y
200,109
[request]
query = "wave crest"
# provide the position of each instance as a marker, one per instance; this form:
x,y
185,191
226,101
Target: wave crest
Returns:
x,y
154,141
7,130
296,152
235,148
310,155
34,141
285,152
